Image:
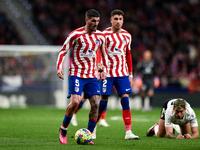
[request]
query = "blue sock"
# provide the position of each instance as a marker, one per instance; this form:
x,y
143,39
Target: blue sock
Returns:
x,y
125,103
66,121
91,124
105,108
80,104
102,106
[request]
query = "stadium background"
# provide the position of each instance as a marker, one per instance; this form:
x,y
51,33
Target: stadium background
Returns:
x,y
170,29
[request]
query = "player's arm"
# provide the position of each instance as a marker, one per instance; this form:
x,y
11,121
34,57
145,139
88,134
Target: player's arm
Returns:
x,y
129,62
61,55
104,58
99,65
169,128
195,132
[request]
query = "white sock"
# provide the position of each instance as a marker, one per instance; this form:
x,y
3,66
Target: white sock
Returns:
x,y
156,128
177,128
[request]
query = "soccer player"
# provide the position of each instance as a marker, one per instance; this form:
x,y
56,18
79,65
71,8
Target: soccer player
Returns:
x,y
85,42
146,69
118,43
176,113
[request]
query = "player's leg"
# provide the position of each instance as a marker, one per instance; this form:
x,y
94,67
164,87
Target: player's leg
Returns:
x,y
75,91
103,119
92,92
105,90
74,120
150,94
143,94
160,129
123,88
75,99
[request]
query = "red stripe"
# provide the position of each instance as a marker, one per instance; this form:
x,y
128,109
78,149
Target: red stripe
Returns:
x,y
61,57
92,119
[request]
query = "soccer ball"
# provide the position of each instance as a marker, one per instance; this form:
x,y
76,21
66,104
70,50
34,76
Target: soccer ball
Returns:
x,y
83,136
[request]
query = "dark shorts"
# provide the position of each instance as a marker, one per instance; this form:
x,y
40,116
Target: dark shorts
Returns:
x,y
122,85
147,85
163,111
90,86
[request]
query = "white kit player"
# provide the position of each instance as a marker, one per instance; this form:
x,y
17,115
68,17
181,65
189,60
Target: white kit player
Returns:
x,y
176,114
118,43
85,43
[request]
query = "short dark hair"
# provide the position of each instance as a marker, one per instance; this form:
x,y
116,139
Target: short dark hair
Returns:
x,y
91,13
117,12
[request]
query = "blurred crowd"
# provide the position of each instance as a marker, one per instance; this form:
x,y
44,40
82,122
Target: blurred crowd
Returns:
x,y
168,28
8,32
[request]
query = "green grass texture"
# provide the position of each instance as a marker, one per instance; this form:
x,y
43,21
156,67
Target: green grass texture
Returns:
x,y
37,128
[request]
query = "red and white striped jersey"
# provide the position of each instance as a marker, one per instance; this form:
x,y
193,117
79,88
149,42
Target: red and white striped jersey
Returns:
x,y
119,52
84,52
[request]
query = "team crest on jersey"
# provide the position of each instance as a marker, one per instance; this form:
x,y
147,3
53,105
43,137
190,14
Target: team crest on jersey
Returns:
x,y
76,89
104,90
123,41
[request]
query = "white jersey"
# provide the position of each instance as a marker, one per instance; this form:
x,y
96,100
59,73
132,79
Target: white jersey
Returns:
x,y
189,115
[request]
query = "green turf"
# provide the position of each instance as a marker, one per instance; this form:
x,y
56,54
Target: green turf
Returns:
x,y
37,128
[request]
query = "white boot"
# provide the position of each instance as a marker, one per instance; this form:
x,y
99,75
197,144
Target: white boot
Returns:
x,y
103,123
73,121
130,136
94,133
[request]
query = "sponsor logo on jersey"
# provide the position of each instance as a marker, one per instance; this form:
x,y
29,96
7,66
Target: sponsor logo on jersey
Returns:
x,y
90,53
117,51
169,120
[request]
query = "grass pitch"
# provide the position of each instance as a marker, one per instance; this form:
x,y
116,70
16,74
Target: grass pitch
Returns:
x,y
37,128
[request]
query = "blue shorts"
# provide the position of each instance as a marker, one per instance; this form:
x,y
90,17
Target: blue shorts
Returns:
x,y
89,86
121,84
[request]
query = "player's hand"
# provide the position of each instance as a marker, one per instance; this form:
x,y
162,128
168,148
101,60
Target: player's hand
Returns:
x,y
100,67
131,81
187,136
180,136
103,76
60,74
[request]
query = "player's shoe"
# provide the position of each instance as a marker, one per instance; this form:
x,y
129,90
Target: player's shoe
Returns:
x,y
103,123
63,135
130,136
94,133
91,143
74,121
151,130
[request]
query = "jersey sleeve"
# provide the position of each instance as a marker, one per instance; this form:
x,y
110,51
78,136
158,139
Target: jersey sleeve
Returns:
x,y
104,54
168,120
64,50
193,121
129,56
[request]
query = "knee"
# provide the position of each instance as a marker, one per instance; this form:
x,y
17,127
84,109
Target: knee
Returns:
x,y
75,102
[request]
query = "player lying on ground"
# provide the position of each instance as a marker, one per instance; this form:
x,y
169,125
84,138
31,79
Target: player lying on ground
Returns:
x,y
177,114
